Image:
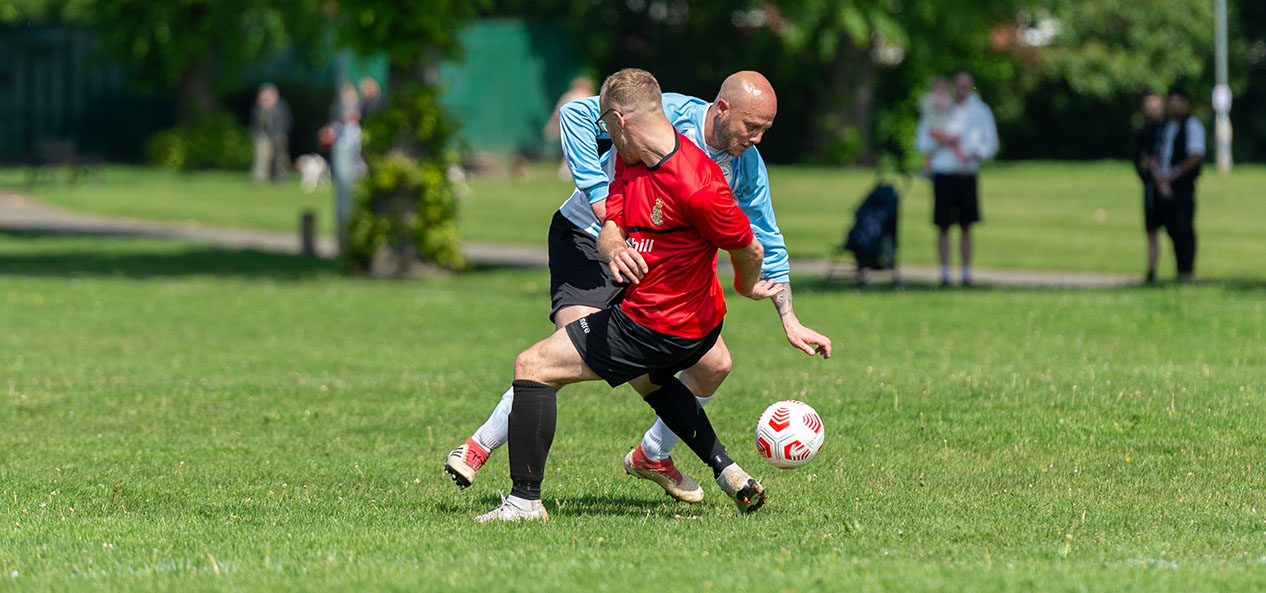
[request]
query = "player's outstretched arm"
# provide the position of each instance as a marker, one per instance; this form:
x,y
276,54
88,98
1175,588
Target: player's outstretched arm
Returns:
x,y
627,265
747,263
803,338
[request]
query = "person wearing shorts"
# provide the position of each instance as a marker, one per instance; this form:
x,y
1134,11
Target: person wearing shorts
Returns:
x,y
727,130
668,212
955,153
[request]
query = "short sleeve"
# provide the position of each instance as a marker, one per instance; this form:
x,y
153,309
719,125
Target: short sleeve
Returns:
x,y
615,197
1195,136
580,135
718,218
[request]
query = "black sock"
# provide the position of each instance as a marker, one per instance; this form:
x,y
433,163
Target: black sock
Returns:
x,y
683,415
532,420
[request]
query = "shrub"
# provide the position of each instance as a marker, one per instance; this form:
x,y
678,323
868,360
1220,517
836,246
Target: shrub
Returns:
x,y
405,207
216,141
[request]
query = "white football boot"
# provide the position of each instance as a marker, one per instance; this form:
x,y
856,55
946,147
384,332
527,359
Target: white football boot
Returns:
x,y
664,473
746,492
510,510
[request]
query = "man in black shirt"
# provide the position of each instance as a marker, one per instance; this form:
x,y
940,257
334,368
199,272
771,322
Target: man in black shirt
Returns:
x,y
1144,161
1180,151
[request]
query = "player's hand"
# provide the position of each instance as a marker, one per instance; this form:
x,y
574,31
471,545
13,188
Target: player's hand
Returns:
x,y
627,265
808,341
764,289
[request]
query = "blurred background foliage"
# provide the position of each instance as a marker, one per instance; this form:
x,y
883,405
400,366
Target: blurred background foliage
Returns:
x,y
406,209
1063,76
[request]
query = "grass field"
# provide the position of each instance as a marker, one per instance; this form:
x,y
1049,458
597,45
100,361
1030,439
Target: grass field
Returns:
x,y
1055,216
217,198
1061,216
181,418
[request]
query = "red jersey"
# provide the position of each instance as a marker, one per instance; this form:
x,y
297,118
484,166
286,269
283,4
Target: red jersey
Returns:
x,y
677,214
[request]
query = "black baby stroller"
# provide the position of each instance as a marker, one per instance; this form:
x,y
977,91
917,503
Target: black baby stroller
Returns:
x,y
873,237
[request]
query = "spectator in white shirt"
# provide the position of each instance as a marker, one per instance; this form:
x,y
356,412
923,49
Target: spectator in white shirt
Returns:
x,y
954,156
1180,154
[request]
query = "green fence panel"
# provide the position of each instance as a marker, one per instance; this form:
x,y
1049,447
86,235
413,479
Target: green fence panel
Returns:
x,y
504,89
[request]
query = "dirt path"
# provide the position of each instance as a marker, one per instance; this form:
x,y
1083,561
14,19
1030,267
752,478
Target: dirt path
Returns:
x,y
24,214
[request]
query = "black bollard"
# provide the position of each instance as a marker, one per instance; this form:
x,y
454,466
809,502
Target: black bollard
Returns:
x,y
307,233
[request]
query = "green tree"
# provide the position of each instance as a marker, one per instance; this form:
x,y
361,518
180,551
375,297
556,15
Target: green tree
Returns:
x,y
405,210
826,57
21,12
191,45
1248,78
1103,56
1106,47
844,43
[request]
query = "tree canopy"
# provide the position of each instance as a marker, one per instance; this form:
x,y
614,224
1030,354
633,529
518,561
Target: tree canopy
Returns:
x,y
848,71
190,44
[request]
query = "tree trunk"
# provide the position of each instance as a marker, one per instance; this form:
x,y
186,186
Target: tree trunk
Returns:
x,y
424,70
400,256
197,90
845,130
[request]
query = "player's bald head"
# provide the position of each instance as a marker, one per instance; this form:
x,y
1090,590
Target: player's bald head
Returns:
x,y
750,91
744,109
630,91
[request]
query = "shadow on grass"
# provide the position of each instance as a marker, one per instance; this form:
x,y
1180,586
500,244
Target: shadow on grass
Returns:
x,y
56,254
588,505
1236,284
83,257
623,506
820,284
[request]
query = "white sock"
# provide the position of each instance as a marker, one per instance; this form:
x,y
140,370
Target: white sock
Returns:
x,y
945,273
966,272
658,442
523,503
496,430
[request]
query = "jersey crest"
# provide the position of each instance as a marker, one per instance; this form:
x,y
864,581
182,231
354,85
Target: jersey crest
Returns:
x,y
728,171
657,212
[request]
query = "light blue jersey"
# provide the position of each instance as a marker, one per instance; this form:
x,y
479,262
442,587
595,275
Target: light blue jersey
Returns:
x,y
749,181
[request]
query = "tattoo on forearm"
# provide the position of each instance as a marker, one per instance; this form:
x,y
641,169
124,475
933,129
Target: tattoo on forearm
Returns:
x,y
782,302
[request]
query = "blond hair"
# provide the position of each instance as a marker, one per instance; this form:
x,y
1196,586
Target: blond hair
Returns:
x,y
630,90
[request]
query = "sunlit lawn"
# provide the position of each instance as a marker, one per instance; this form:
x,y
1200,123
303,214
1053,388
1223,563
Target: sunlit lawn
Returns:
x,y
1069,216
177,418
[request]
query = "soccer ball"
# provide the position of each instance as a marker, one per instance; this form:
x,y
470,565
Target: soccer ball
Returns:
x,y
789,434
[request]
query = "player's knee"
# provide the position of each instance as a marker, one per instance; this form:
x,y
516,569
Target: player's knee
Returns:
x,y
714,369
527,364
723,365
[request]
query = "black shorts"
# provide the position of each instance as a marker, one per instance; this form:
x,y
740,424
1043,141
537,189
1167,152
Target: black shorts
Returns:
x,y
954,200
619,350
577,276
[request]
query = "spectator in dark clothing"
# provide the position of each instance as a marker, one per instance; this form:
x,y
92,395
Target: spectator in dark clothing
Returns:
x,y
270,132
1145,160
1180,154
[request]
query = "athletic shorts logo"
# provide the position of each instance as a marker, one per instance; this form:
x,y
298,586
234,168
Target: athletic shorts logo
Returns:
x,y
657,212
584,325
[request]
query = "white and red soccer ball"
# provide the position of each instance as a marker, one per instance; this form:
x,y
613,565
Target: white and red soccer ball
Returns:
x,y
789,434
